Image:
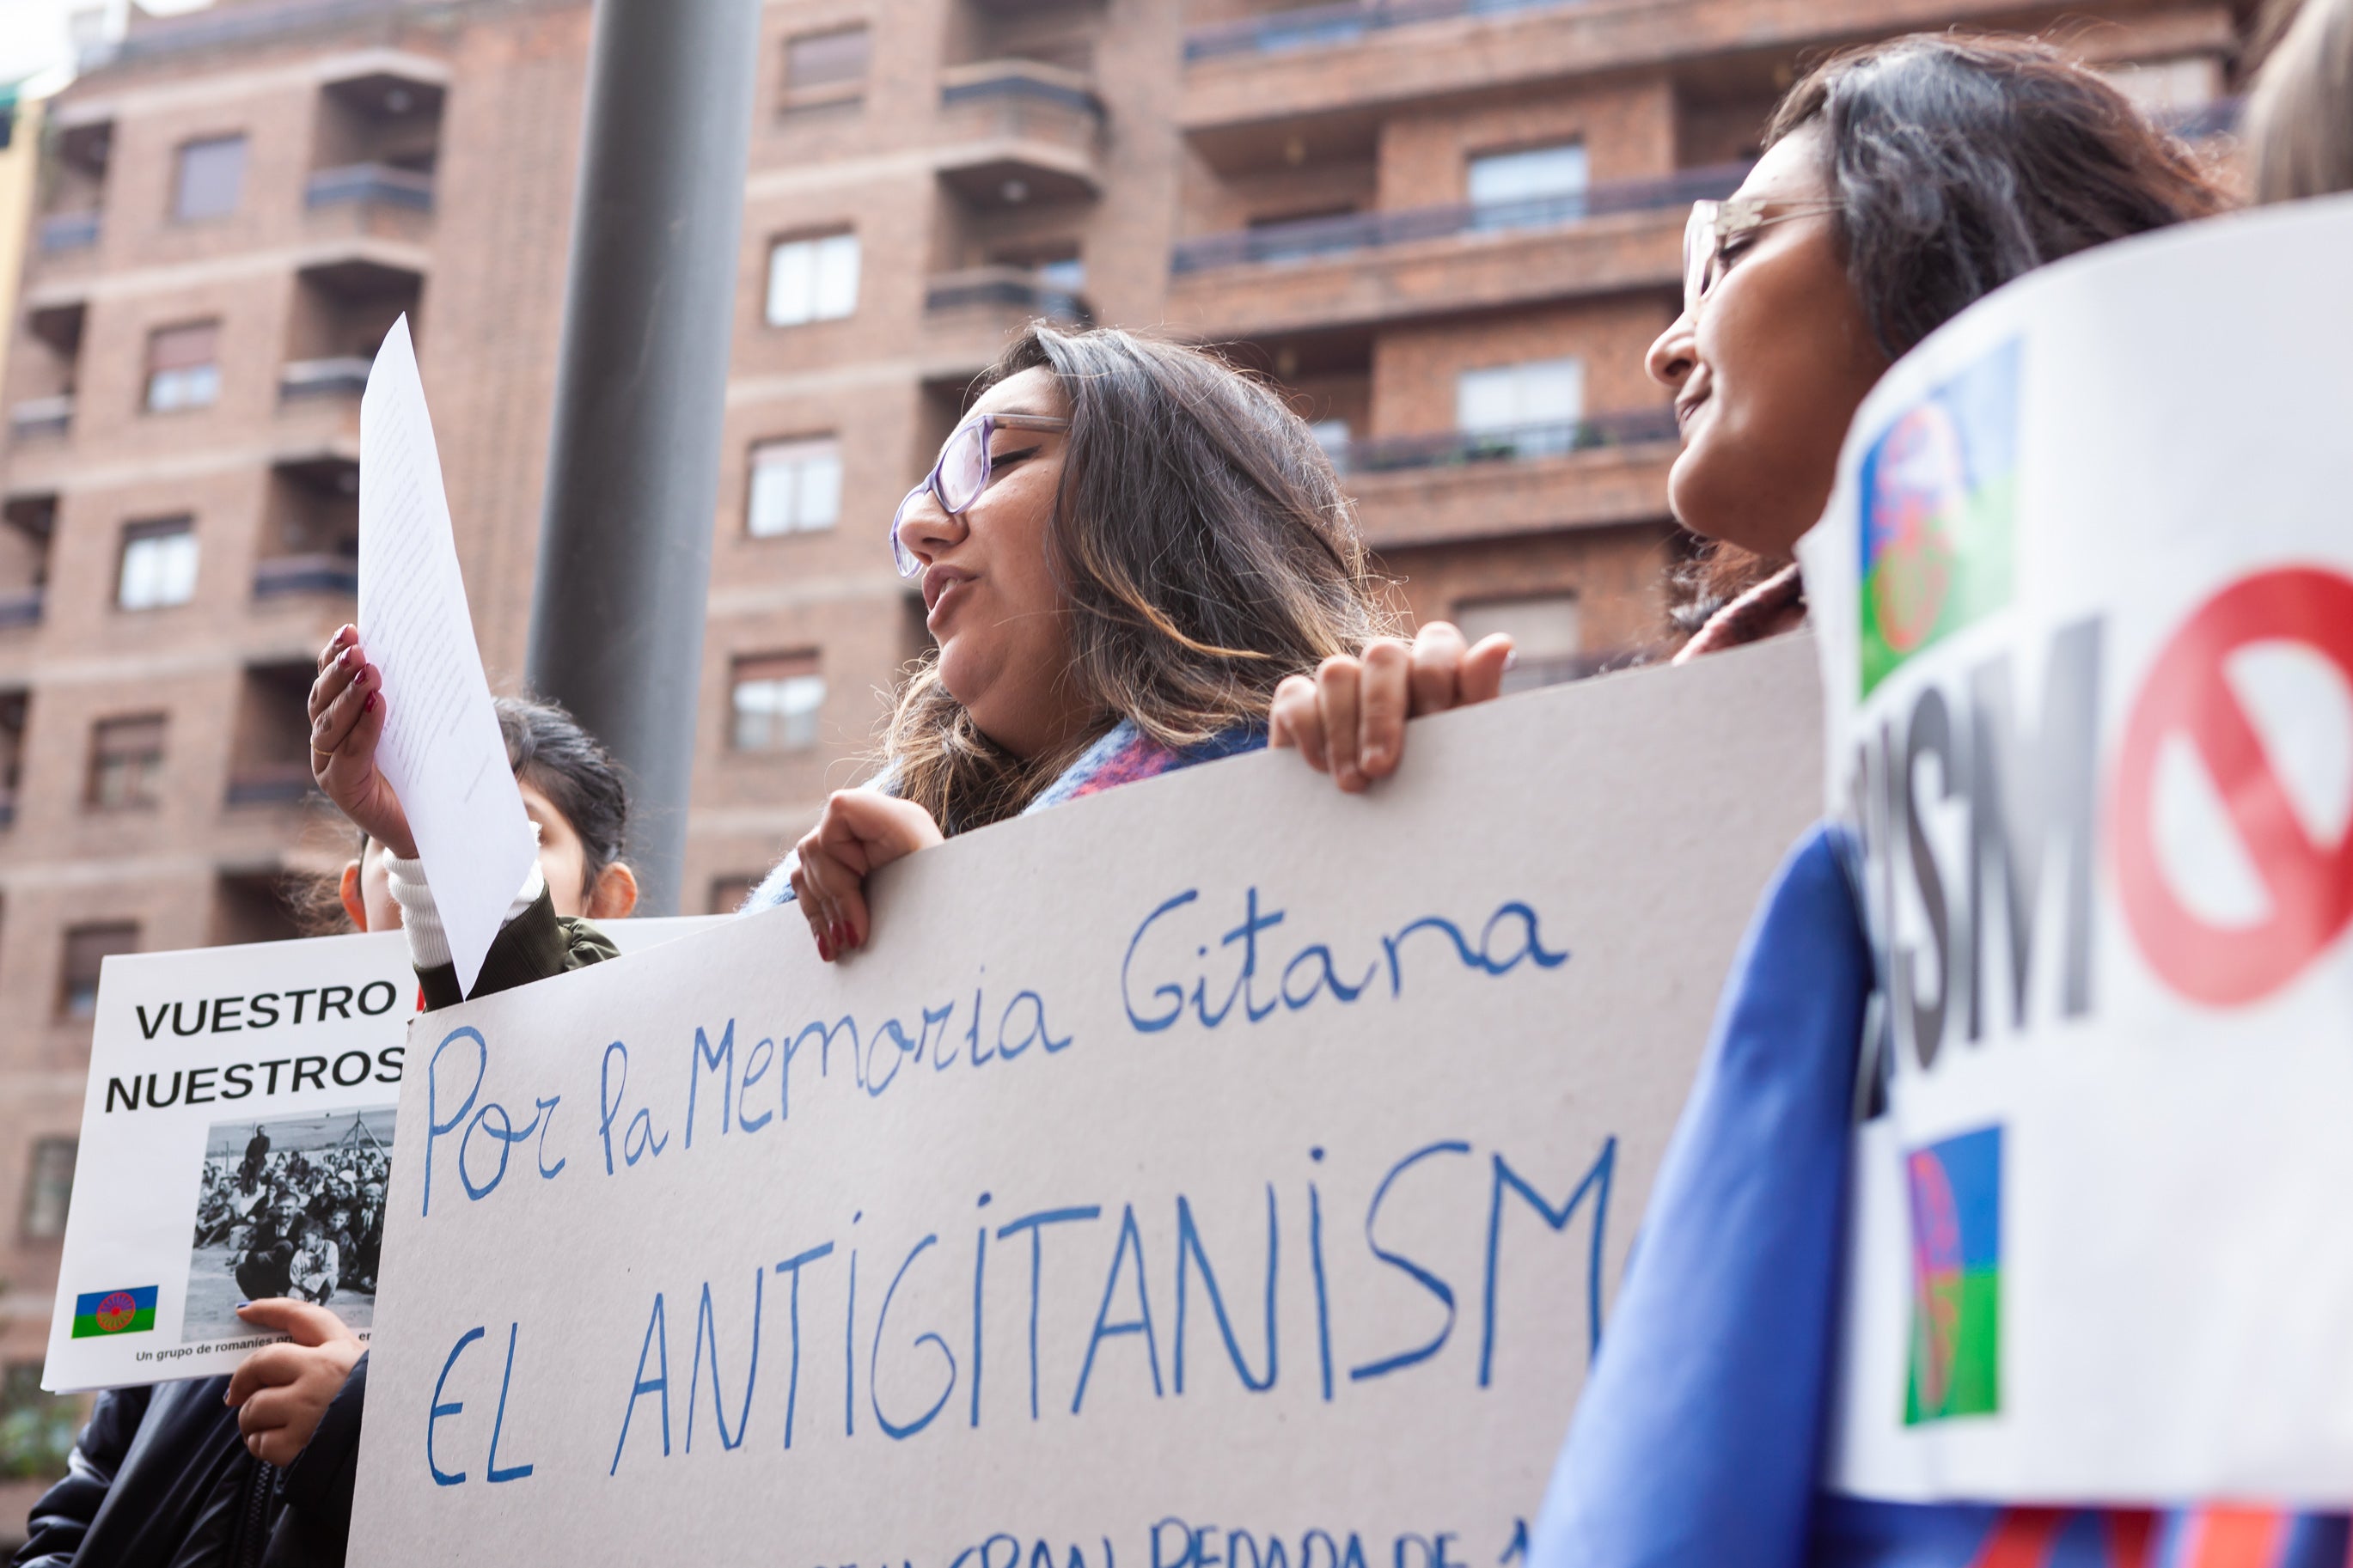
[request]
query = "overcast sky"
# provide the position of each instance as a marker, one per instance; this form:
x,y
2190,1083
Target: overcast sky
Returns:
x,y
33,39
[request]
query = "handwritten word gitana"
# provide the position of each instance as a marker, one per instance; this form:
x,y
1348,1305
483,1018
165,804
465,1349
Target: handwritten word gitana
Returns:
x,y
1507,938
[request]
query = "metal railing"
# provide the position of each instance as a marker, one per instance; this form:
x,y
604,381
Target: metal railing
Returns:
x,y
1010,287
21,607
42,415
1448,449
1323,26
342,376
251,24
68,231
277,575
377,183
1314,237
270,784
1020,79
2218,116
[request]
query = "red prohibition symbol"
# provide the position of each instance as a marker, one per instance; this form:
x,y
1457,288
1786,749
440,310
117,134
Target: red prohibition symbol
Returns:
x,y
2310,884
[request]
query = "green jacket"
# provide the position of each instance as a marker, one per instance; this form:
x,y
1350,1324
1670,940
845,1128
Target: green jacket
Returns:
x,y
533,945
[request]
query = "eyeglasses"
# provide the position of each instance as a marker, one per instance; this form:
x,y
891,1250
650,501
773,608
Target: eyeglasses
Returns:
x,y
962,471
1715,224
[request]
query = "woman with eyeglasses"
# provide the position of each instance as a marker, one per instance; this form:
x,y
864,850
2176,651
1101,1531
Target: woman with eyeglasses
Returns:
x,y
1899,184
1123,547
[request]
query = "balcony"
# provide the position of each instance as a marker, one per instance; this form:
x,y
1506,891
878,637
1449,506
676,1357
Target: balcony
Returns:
x,y
1321,27
969,314
1346,61
38,417
371,183
1313,237
1453,449
62,232
343,375
281,576
1020,131
1372,268
1456,486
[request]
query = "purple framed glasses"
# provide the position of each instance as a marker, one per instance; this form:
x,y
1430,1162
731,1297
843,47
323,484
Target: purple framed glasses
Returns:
x,y
962,471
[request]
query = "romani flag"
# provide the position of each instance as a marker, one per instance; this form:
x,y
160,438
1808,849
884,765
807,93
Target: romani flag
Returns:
x,y
101,1312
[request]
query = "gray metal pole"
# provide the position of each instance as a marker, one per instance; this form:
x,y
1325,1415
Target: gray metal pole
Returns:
x,y
633,462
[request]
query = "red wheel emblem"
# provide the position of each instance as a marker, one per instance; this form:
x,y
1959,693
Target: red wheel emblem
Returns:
x,y
114,1313
2309,885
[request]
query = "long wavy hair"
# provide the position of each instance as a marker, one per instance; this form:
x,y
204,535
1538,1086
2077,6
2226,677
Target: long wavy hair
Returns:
x,y
1959,163
1203,548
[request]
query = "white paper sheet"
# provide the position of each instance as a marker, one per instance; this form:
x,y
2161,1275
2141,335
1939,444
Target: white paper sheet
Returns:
x,y
441,748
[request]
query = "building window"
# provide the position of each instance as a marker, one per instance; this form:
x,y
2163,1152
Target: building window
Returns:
x,y
1532,175
48,1189
1526,410
159,564
87,949
812,280
126,763
795,486
1332,435
728,894
211,178
13,707
1547,639
2164,89
830,66
183,367
776,699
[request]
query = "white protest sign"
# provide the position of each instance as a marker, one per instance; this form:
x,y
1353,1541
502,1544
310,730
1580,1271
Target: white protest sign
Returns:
x,y
2085,606
1217,1169
234,1137
441,749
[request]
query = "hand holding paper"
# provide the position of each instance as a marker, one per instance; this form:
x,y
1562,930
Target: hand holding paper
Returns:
x,y
346,726
439,746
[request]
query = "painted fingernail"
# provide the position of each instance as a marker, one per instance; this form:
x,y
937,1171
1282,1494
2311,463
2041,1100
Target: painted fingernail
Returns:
x,y
368,706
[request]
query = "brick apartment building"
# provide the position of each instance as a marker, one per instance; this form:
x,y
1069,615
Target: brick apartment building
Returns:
x,y
1451,227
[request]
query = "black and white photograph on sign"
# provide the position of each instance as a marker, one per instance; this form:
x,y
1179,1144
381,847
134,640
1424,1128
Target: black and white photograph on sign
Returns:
x,y
290,1206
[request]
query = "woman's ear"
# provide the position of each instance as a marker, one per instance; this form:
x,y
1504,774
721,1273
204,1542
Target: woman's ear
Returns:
x,y
616,893
349,889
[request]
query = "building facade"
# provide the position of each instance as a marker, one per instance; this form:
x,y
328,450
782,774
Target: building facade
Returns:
x,y
1449,228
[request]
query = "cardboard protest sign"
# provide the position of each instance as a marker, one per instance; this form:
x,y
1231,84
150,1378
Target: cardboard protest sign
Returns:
x,y
235,1138
1216,1169
2085,606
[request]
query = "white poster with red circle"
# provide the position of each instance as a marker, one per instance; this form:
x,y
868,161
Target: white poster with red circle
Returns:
x,y
2084,597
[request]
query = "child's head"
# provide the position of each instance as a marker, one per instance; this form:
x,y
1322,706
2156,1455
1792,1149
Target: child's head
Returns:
x,y
572,788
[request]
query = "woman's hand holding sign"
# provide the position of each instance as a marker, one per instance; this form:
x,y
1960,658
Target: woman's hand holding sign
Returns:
x,y
280,1392
1348,719
861,832
346,723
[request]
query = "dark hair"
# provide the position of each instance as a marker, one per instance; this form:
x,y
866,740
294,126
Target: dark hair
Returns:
x,y
1960,162
550,752
2300,115
1204,550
